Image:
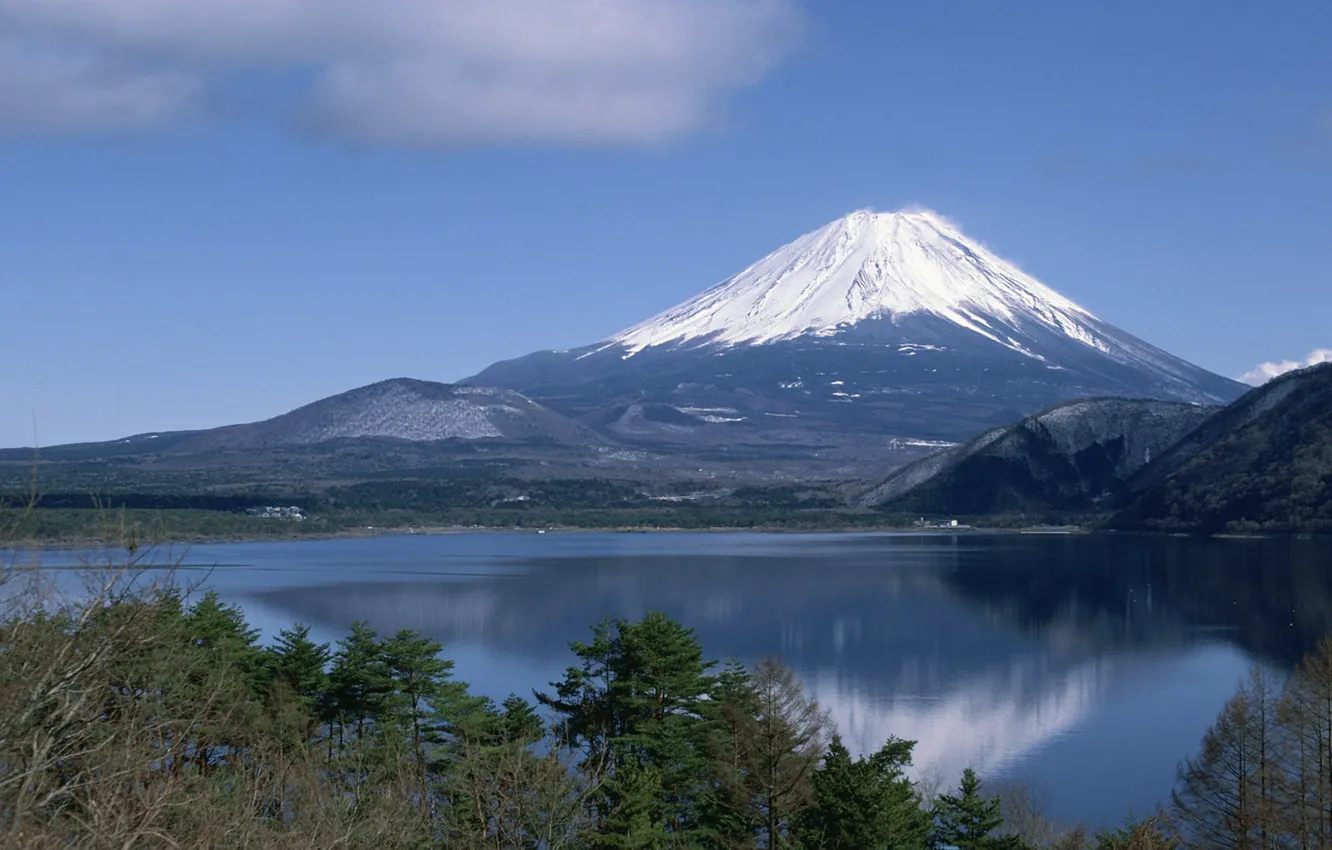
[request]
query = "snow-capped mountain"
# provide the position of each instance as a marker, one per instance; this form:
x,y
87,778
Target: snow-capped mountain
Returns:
x,y
893,324
862,267
871,267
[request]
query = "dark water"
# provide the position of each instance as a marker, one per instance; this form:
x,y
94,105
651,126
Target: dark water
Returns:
x,y
1084,666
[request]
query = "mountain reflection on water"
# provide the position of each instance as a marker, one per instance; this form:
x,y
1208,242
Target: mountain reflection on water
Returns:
x,y
1086,665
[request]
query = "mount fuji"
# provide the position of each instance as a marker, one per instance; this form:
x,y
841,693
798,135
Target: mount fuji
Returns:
x,y
879,333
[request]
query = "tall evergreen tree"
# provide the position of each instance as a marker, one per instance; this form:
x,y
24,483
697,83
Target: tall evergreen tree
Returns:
x,y
867,803
637,700
301,664
222,679
969,821
359,683
635,816
222,628
516,722
421,700
732,815
503,792
221,633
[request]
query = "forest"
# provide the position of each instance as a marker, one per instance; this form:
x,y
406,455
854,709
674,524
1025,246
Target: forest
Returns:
x,y
194,511
139,713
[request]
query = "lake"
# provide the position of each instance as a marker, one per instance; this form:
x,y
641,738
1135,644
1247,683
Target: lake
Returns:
x,y
1084,666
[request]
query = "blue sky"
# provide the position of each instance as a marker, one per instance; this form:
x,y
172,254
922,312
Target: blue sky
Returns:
x,y
213,213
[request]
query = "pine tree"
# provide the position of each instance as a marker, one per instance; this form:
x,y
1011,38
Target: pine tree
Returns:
x,y
221,680
635,815
359,683
867,803
503,794
732,817
221,633
637,700
665,686
421,699
219,627
590,718
301,664
969,821
517,722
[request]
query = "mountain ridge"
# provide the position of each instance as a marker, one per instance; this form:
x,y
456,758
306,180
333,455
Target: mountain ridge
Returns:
x,y
1068,457
1263,464
405,410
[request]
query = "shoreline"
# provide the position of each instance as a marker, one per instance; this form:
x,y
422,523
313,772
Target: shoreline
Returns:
x,y
434,531
368,532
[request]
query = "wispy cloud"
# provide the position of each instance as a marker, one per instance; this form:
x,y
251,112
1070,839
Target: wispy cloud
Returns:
x,y
1264,372
401,72
47,91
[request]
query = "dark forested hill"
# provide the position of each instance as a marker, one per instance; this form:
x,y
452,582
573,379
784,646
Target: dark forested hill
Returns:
x,y
1263,464
1068,458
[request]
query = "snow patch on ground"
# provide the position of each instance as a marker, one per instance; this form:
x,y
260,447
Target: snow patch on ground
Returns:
x,y
419,420
399,410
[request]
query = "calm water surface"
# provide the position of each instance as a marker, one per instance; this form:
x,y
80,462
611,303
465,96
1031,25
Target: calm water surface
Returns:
x,y
1085,666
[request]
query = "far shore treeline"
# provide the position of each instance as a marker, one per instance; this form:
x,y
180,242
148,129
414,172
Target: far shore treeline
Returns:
x,y
147,717
71,516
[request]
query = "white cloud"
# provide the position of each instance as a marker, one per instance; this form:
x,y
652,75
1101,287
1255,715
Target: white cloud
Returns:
x,y
56,92
416,72
1264,372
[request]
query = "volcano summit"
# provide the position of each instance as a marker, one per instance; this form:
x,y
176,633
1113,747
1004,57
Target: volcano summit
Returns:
x,y
889,329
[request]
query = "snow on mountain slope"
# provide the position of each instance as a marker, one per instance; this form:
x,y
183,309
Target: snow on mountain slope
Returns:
x,y
869,266
401,409
906,278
